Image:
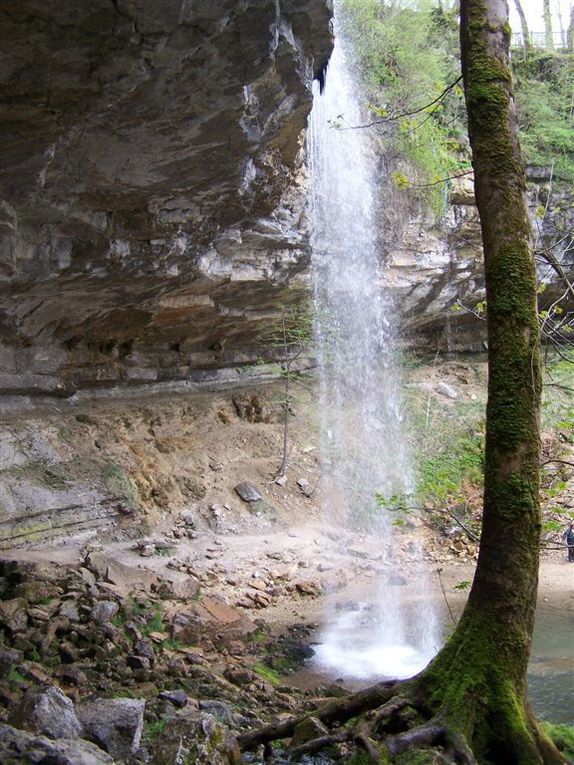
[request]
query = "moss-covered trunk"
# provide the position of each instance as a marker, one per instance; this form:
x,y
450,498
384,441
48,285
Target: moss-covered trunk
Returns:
x,y
479,679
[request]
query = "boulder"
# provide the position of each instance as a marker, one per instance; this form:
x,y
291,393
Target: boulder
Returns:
x,y
178,698
49,712
8,660
201,740
248,492
447,390
305,487
103,611
13,614
114,724
18,746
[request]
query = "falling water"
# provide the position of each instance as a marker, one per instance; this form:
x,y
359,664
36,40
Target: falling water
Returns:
x,y
364,449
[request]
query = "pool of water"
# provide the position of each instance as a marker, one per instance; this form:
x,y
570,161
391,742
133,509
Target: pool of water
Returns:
x,y
550,672
551,668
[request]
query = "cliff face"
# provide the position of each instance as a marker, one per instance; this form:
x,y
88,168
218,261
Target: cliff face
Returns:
x,y
436,270
150,189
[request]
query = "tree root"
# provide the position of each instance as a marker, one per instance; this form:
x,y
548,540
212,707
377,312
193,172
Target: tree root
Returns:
x,y
338,711
394,717
316,744
429,734
362,739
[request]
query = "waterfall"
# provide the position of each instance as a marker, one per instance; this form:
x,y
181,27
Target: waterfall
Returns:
x,y
364,446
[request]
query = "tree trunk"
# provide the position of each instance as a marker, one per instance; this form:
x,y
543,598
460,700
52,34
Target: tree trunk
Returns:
x,y
523,25
548,36
479,678
570,32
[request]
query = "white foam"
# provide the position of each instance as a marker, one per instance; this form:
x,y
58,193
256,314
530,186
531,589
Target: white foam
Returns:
x,y
370,661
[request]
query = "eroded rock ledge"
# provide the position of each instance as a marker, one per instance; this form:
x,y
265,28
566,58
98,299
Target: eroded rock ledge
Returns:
x,y
150,199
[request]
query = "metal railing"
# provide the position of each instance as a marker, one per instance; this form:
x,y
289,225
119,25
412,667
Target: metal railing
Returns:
x,y
539,40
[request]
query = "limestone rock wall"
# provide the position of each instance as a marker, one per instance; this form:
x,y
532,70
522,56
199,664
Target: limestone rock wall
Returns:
x,y
436,270
150,184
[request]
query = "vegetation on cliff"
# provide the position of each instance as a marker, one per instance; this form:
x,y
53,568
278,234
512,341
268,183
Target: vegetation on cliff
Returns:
x,y
408,56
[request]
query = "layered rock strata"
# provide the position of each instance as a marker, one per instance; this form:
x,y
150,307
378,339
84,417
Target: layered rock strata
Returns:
x,y
150,184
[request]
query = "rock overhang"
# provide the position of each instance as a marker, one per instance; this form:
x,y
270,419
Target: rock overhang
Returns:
x,y
152,182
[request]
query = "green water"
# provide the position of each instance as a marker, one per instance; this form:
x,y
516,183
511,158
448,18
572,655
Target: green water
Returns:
x,y
551,668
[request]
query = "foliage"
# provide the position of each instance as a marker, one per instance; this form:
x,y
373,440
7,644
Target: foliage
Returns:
x,y
562,736
558,401
448,443
442,474
545,84
288,339
154,728
155,623
407,54
407,58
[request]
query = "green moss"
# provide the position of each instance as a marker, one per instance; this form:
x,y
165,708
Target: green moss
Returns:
x,y
32,533
153,729
155,623
15,678
562,737
268,674
417,757
359,757
118,482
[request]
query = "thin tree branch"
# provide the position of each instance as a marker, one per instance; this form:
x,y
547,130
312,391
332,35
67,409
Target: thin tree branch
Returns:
x,y
396,117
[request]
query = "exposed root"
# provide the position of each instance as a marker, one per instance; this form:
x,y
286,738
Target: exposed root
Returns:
x,y
428,734
459,748
363,740
338,711
319,743
390,724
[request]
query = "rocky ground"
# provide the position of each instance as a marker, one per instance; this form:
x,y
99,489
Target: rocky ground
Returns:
x,y
186,616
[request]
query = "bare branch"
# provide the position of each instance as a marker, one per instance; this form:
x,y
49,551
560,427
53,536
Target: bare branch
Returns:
x,y
396,117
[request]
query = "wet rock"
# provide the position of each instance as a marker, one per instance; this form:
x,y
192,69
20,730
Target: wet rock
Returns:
x,y
239,676
202,741
18,746
305,486
447,390
69,610
138,662
8,660
248,492
13,614
186,629
49,712
70,674
219,709
144,647
177,698
103,611
114,724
